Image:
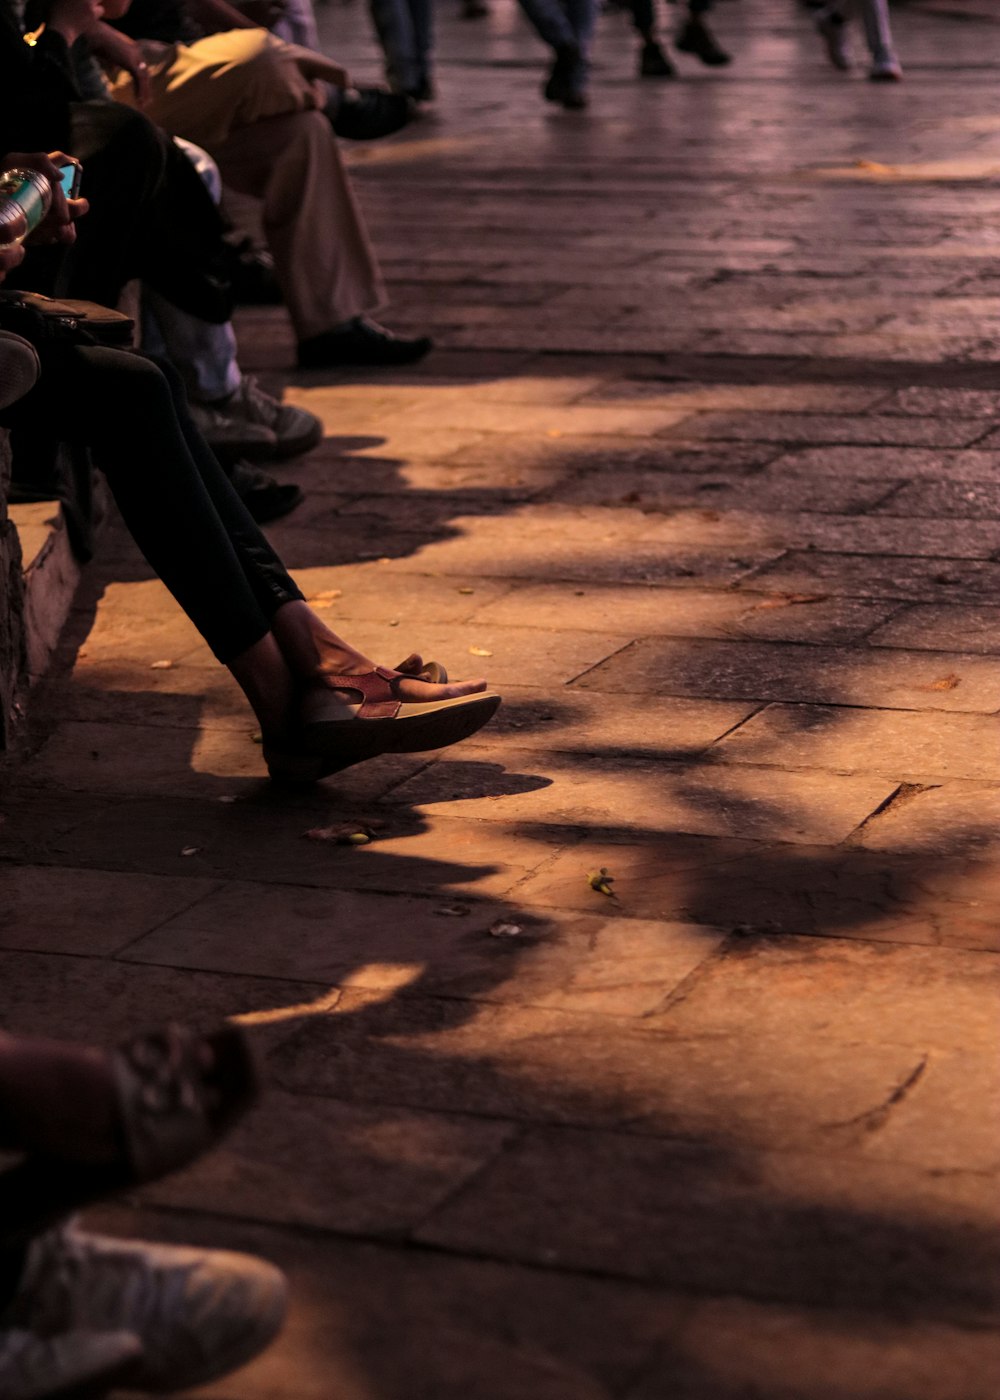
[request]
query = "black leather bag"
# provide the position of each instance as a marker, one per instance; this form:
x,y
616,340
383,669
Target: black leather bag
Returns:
x,y
43,320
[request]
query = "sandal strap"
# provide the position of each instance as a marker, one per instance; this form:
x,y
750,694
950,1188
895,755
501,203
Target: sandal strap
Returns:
x,y
378,698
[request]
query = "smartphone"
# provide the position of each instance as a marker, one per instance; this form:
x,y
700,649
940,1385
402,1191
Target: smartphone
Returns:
x,y
70,173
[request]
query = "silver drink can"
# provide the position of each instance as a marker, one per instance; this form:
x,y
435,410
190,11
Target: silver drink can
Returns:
x,y
25,199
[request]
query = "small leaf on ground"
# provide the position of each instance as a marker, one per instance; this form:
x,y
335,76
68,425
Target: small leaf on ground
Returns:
x,y
601,881
343,834
466,590
951,682
329,595
503,929
479,651
788,600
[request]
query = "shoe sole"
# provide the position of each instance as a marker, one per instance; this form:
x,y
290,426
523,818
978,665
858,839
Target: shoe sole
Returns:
x,y
333,745
242,1351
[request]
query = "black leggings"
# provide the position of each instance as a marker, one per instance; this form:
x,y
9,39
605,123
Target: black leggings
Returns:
x,y
174,497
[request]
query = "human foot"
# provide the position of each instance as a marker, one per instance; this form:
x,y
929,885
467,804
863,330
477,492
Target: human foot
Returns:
x,y
349,718
315,655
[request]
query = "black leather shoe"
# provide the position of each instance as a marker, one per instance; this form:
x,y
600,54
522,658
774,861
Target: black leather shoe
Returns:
x,y
365,114
265,498
364,342
696,37
654,63
563,76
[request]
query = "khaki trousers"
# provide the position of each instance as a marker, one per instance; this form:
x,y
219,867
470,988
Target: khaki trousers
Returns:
x,y
241,96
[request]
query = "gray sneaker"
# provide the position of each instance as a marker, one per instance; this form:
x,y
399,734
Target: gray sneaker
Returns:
x,y
295,430
232,437
197,1313
72,1366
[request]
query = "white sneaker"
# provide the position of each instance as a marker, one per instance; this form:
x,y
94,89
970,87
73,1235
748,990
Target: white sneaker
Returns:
x,y
197,1313
75,1364
295,430
833,31
886,68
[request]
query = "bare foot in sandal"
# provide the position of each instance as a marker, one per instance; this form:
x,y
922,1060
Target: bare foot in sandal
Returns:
x,y
313,652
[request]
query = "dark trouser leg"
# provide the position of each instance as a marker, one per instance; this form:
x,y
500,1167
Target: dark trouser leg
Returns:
x,y
177,503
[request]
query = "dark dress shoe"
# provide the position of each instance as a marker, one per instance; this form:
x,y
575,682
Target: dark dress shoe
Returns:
x,y
423,92
364,342
696,37
265,498
365,114
563,76
654,63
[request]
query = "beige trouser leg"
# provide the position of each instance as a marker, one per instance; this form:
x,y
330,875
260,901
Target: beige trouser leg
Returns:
x,y
206,90
314,228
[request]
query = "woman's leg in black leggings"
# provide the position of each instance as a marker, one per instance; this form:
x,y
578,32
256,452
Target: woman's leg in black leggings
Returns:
x,y
181,511
265,572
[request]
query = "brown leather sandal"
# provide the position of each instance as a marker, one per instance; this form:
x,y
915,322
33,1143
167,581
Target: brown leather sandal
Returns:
x,y
336,732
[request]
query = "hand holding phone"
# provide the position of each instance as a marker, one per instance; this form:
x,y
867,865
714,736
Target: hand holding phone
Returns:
x,y
70,174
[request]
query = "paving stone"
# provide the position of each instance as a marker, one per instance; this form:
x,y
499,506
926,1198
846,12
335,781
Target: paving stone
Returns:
x,y
978,500
926,998
888,463
903,891
652,794
953,817
668,490
262,833
473,1327
762,671
975,539
687,612
728,1348
102,1001
889,1238
617,453
847,575
952,403
457,411
874,429
364,940
773,398
531,1064
974,630
305,1161
579,722
588,551
902,742
92,912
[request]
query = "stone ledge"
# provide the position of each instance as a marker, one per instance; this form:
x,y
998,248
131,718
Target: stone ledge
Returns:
x,y
51,576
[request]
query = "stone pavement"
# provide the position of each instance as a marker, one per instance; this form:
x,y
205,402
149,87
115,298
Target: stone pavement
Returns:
x,y
704,474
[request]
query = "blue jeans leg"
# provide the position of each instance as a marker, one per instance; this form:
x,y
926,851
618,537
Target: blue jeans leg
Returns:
x,y
394,26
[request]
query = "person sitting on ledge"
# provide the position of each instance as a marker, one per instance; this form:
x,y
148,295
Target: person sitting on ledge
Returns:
x,y
321,704
269,114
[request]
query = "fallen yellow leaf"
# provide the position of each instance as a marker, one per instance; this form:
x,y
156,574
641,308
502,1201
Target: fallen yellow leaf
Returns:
x,y
601,881
479,651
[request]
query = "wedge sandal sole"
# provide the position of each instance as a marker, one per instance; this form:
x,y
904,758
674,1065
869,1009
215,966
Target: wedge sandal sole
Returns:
x,y
339,744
